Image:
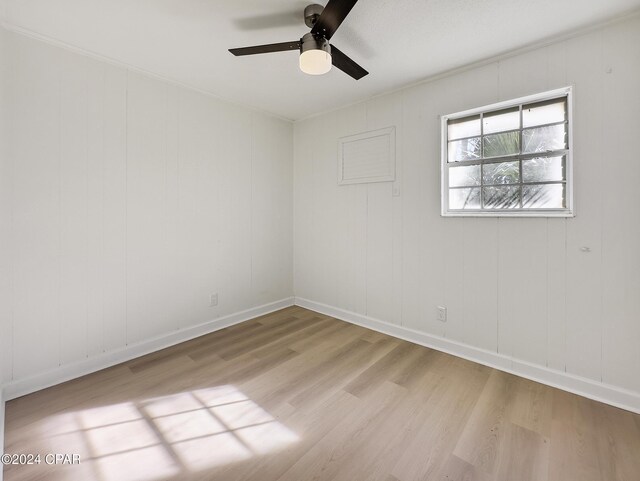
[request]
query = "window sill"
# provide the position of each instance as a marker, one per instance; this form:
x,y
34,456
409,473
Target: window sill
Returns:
x,y
540,213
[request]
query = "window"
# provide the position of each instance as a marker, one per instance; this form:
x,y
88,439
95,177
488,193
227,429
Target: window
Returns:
x,y
509,159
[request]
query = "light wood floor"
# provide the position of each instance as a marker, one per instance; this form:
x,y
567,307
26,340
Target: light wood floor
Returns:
x,y
297,396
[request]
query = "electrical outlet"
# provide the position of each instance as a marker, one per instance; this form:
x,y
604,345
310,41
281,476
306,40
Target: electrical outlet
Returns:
x,y
213,300
442,314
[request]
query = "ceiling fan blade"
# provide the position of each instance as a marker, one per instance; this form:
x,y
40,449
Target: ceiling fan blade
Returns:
x,y
272,47
331,17
348,66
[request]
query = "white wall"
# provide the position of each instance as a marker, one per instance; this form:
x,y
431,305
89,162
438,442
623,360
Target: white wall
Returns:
x,y
5,216
517,287
133,200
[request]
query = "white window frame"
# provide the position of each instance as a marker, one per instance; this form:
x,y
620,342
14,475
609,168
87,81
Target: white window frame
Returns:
x,y
568,211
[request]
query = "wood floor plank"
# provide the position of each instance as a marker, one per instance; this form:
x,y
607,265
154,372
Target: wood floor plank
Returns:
x,y
234,334
533,406
618,439
415,367
335,378
297,396
332,336
260,337
488,424
328,456
523,454
309,376
385,369
312,326
573,440
455,469
443,419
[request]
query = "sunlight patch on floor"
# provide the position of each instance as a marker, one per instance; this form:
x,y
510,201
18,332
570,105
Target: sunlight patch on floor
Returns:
x,y
118,438
143,464
164,436
106,415
185,426
211,451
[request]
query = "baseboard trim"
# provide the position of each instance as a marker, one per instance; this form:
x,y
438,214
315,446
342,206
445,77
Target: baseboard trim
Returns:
x,y
588,388
68,372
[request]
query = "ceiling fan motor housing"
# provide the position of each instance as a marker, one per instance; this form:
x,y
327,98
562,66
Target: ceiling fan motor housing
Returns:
x,y
312,42
312,13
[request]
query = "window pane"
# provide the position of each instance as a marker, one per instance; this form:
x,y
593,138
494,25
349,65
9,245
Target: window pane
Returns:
x,y
467,149
464,198
507,197
541,113
466,127
502,173
464,175
500,121
501,144
544,139
543,169
545,196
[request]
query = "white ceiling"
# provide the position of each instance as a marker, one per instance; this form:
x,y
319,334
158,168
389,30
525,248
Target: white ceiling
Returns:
x,y
398,42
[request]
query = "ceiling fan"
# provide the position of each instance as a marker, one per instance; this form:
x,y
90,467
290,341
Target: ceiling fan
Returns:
x,y
317,55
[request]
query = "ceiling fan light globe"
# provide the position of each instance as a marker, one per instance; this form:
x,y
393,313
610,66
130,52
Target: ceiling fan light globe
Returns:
x,y
315,62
